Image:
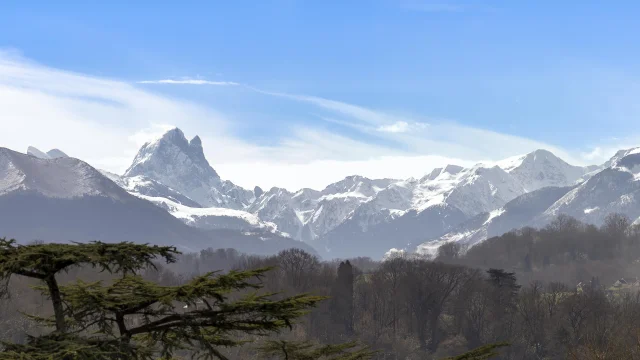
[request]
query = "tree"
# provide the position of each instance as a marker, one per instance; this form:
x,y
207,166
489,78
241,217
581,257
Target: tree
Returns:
x,y
132,318
449,252
297,266
342,298
503,299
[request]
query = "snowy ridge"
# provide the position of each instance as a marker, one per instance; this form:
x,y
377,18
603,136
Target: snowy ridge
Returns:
x,y
55,178
309,214
455,193
522,211
612,188
51,154
451,203
542,168
214,218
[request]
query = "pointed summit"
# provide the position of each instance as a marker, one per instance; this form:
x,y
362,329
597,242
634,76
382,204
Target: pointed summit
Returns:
x,y
174,134
51,154
197,152
449,169
37,153
196,142
542,168
180,164
172,143
171,161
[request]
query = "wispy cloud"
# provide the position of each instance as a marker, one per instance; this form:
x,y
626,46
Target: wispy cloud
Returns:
x,y
189,82
104,122
402,127
354,111
443,138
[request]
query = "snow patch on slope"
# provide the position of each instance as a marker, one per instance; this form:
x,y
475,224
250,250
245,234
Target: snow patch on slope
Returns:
x,y
494,214
214,218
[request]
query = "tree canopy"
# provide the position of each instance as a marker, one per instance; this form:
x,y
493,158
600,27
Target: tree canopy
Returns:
x,y
133,318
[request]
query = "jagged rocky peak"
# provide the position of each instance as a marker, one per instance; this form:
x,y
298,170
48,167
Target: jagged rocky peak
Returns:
x,y
51,154
62,178
196,142
195,145
449,169
172,155
357,184
180,164
37,153
257,191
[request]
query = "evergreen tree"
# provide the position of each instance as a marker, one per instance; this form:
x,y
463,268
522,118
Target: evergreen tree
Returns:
x,y
132,318
342,298
506,286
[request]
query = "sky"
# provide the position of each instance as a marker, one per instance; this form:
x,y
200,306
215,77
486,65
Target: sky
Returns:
x,y
303,93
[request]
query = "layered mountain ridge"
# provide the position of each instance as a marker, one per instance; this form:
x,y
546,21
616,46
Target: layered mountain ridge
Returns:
x,y
611,188
358,216
65,199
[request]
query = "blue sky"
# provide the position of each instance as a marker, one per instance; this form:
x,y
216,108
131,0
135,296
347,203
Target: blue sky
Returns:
x,y
385,88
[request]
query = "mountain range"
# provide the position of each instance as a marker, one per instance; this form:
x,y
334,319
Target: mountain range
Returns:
x,y
65,199
171,181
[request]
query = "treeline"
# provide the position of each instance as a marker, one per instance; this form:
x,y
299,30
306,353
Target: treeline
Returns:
x,y
415,308
518,288
566,250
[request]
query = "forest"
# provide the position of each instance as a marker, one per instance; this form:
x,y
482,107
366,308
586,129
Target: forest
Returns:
x,y
566,291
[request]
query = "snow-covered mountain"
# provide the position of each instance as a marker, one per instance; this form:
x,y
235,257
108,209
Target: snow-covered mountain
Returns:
x,y
348,215
62,178
614,189
309,214
51,154
215,218
180,164
542,168
65,199
407,212
599,191
144,187
517,213
360,216
412,211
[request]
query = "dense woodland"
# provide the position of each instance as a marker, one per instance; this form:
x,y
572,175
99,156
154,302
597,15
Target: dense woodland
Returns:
x,y
567,291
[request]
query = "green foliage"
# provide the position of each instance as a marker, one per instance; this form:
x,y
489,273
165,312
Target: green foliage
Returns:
x,y
42,260
481,353
132,318
308,351
68,347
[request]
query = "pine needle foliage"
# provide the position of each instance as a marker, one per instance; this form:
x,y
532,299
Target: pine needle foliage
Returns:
x,y
481,353
309,351
133,318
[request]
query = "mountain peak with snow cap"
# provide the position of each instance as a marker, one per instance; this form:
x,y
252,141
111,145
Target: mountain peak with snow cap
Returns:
x,y
180,164
51,154
542,168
